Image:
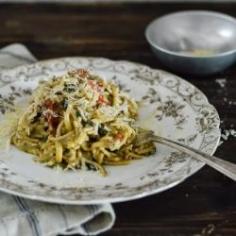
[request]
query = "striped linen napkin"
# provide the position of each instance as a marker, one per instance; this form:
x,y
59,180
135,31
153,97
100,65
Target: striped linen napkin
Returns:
x,y
19,216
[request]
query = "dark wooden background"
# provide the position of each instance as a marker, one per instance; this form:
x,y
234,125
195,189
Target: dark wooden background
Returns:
x,y
205,204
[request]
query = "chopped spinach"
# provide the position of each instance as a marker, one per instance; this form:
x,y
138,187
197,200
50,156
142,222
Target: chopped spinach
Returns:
x,y
65,104
78,114
36,118
89,166
83,122
87,122
93,138
69,88
102,131
58,93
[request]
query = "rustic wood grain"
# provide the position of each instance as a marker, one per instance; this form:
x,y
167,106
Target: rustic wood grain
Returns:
x,y
205,204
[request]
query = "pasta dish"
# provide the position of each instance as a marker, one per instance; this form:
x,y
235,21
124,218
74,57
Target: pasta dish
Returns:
x,y
79,121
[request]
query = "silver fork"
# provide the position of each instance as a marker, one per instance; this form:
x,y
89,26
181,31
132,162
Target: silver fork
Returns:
x,y
225,167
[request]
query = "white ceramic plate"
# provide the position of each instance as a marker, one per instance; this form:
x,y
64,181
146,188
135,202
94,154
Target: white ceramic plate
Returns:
x,y
171,107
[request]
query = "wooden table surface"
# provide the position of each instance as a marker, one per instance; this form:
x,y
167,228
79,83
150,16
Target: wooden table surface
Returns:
x,y
205,204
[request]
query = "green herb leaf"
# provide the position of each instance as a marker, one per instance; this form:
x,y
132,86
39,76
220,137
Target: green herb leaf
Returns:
x,y
102,131
69,88
78,114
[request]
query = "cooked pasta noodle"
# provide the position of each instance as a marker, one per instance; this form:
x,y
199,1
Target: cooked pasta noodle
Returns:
x,y
80,121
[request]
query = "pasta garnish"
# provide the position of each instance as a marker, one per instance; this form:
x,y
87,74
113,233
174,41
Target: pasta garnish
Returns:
x,y
79,120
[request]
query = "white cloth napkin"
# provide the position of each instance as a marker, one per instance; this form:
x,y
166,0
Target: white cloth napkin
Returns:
x,y
19,216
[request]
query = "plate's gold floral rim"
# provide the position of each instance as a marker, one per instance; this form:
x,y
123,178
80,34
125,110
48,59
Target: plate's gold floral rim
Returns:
x,y
207,121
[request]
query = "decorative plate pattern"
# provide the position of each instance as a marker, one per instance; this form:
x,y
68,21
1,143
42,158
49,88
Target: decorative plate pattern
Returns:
x,y
169,105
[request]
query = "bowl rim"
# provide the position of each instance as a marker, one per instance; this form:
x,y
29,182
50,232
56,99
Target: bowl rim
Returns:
x,y
189,12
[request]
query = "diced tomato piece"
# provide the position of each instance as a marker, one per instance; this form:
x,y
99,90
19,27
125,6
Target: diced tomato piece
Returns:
x,y
91,83
50,105
101,100
52,120
119,136
82,73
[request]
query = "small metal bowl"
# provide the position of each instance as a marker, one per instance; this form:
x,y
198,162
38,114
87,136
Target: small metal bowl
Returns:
x,y
194,42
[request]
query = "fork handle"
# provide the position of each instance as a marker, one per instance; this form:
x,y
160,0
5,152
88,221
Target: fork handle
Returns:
x,y
225,167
